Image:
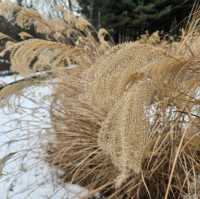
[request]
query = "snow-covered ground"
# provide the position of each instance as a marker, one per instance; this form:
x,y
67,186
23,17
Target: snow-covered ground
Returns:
x,y
25,129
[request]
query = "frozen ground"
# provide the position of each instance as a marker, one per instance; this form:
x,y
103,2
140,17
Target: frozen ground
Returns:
x,y
23,136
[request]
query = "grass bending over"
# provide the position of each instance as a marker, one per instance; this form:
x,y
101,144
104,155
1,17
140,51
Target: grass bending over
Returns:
x,y
35,55
128,127
73,30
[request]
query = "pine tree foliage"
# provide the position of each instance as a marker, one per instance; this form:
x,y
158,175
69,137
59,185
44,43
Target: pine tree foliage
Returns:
x,y
129,18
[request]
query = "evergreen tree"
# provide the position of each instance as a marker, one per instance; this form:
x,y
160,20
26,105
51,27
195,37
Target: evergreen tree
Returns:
x,y
126,19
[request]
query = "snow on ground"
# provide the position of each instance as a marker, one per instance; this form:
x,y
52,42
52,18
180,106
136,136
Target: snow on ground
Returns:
x,y
24,132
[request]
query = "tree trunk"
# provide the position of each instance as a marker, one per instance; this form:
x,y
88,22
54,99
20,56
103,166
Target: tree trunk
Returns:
x,y
91,11
70,5
99,19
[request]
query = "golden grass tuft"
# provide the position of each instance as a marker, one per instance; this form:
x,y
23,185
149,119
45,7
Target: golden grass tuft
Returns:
x,y
85,148
153,39
128,127
32,21
71,29
121,66
36,55
9,10
25,36
61,36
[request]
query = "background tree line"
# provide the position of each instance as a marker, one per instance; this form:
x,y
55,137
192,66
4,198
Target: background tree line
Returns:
x,y
127,19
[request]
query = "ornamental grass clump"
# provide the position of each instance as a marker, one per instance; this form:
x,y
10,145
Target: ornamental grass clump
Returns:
x,y
128,127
